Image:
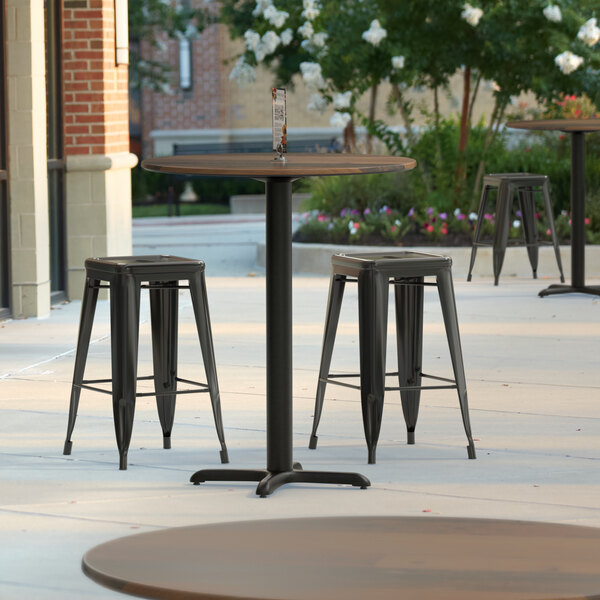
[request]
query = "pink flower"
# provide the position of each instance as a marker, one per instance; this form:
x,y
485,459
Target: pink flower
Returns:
x,y
548,232
488,217
322,218
394,228
429,228
587,221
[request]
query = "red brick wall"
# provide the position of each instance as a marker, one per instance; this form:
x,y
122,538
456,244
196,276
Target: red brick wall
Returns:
x,y
201,107
96,94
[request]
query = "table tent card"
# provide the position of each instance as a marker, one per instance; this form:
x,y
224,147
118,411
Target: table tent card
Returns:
x,y
279,123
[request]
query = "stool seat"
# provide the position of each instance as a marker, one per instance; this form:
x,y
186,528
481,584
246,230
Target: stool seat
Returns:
x,y
125,275
507,184
374,273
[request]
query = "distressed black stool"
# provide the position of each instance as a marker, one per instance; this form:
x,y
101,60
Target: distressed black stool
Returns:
x,y
507,184
374,273
125,275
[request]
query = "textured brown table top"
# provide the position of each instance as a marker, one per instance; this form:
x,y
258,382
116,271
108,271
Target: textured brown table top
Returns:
x,y
569,125
355,558
262,165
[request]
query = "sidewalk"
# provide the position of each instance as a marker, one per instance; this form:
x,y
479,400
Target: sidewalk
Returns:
x,y
533,376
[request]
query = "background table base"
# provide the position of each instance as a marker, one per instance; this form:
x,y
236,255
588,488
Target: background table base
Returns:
x,y
570,289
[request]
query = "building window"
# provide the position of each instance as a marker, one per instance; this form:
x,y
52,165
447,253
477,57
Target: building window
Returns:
x,y
185,63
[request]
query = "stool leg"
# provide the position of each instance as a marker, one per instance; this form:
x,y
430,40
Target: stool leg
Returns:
x,y
527,204
373,291
503,211
409,339
163,312
86,320
200,303
124,325
334,304
448,302
550,216
477,235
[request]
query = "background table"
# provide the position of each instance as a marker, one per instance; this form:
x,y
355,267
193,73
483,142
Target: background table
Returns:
x,y
278,177
577,128
355,558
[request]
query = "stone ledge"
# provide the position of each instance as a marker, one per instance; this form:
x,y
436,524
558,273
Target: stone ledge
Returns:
x,y
101,162
316,259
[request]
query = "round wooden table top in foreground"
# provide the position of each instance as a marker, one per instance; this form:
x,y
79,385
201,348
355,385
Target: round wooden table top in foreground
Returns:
x,y
355,558
263,166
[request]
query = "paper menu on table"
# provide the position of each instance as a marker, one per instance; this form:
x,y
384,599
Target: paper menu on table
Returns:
x,y
279,122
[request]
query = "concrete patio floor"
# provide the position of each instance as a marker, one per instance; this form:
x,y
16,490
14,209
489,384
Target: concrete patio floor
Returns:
x,y
533,376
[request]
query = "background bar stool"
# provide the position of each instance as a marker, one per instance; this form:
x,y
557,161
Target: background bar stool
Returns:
x,y
125,275
507,183
374,273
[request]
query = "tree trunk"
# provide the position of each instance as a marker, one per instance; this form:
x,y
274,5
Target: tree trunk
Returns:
x,y
372,107
464,135
436,116
349,137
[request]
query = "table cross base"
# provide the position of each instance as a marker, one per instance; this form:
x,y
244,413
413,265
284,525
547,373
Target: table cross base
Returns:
x,y
570,289
269,481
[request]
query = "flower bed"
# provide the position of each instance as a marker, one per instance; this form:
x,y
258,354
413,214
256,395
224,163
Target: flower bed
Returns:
x,y
428,227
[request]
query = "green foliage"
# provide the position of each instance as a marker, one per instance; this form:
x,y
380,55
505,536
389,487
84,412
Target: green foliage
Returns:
x,y
359,192
381,205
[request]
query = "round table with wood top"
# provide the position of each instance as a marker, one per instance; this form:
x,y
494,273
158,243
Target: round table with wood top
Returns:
x,y
577,128
278,177
355,558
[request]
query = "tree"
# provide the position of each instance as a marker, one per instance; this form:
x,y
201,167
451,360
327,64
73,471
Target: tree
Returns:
x,y
344,49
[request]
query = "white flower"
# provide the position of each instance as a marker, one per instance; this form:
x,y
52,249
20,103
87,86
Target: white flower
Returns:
x,y
306,30
270,40
275,17
316,103
252,39
312,75
340,119
286,37
471,14
261,6
342,100
495,87
311,10
375,33
319,39
589,33
516,223
552,13
242,72
398,62
568,62
473,216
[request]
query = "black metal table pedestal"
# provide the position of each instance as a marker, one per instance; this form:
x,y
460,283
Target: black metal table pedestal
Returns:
x,y
577,224
280,466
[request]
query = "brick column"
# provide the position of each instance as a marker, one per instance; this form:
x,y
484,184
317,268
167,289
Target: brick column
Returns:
x,y
28,175
98,162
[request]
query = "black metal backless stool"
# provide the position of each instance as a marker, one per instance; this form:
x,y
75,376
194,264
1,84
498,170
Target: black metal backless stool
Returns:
x,y
125,275
375,272
507,184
